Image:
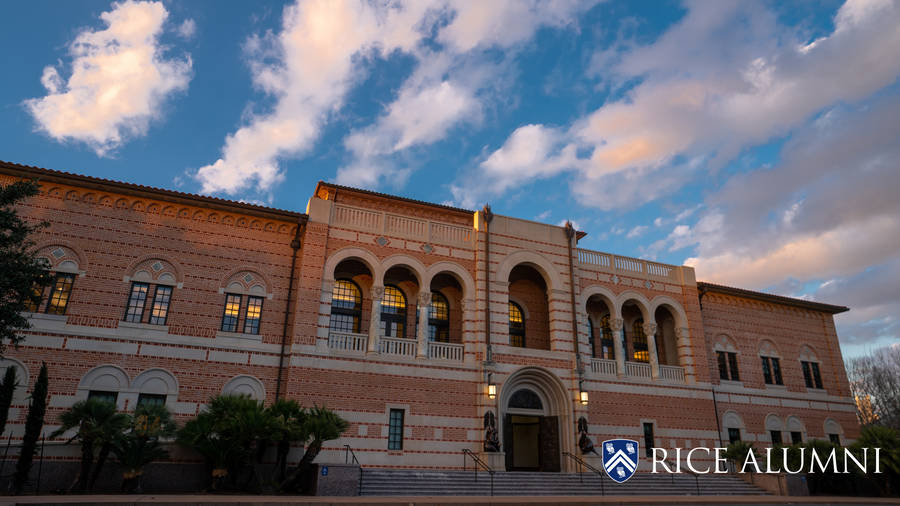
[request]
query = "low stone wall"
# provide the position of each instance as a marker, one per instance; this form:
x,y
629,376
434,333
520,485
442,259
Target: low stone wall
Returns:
x,y
57,476
337,480
778,484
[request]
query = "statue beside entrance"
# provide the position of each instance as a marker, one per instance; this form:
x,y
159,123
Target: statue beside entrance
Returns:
x,y
491,438
584,442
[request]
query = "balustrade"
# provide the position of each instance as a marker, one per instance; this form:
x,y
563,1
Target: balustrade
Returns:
x,y
347,341
445,351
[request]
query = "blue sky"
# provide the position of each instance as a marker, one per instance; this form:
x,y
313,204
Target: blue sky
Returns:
x,y
756,141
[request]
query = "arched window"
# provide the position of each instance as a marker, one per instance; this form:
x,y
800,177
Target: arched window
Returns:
x,y
516,325
393,312
439,319
525,399
639,341
591,337
607,346
346,306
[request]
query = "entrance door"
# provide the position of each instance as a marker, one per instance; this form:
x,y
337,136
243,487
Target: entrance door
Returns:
x,y
526,442
531,443
550,444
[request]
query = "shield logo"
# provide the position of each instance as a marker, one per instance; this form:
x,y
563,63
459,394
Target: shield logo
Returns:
x,y
620,458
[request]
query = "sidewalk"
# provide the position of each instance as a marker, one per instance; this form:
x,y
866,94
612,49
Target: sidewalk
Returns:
x,y
250,500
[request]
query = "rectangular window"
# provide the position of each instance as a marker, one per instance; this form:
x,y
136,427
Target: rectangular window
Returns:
x,y
734,435
649,441
151,400
723,365
796,437
232,311
254,312
807,374
395,430
134,312
816,375
607,349
776,436
59,293
103,395
835,438
767,371
34,303
732,365
776,371
160,311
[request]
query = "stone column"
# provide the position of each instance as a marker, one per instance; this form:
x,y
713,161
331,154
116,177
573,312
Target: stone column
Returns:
x,y
685,358
650,332
423,302
375,319
617,326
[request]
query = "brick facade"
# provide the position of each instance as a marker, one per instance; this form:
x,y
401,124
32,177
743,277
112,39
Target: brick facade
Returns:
x,y
111,235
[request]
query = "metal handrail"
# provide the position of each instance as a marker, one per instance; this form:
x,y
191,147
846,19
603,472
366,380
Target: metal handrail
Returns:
x,y
582,464
478,463
348,453
696,476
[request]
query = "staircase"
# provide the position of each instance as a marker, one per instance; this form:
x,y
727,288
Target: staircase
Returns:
x,y
451,483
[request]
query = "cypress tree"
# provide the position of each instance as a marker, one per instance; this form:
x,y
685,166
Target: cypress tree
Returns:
x,y
33,425
7,389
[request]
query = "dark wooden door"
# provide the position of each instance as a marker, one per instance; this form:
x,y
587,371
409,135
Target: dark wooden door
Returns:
x,y
549,442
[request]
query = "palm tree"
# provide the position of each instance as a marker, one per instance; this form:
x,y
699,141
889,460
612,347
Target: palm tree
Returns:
x,y
290,426
140,445
322,425
228,435
99,427
886,438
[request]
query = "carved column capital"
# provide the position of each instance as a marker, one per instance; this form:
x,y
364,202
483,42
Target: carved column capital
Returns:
x,y
377,292
650,329
616,324
682,332
424,298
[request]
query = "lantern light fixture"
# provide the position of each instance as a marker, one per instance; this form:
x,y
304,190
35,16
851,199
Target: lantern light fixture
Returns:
x,y
582,394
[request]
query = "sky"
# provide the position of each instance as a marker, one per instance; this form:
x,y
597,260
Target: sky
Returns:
x,y
755,141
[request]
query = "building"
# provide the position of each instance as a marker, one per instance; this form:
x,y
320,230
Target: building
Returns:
x,y
417,322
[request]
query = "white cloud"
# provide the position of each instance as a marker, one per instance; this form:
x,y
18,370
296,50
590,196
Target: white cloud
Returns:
x,y
187,29
636,232
531,151
120,79
843,234
318,56
429,104
504,23
717,82
321,53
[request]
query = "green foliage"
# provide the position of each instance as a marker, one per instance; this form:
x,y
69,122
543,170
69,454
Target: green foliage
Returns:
x,y
323,425
7,389
291,425
99,429
737,452
24,276
226,435
233,433
34,422
140,444
888,439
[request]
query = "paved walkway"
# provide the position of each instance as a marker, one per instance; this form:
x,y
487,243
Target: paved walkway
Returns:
x,y
251,500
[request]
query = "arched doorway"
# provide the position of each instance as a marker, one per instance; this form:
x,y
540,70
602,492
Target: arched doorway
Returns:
x,y
536,421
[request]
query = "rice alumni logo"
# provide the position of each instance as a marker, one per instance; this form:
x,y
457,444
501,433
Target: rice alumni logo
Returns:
x,y
620,458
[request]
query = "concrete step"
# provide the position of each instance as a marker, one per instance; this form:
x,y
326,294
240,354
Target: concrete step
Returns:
x,y
383,482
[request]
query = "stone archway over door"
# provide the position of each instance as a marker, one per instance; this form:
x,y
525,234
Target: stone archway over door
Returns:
x,y
536,421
